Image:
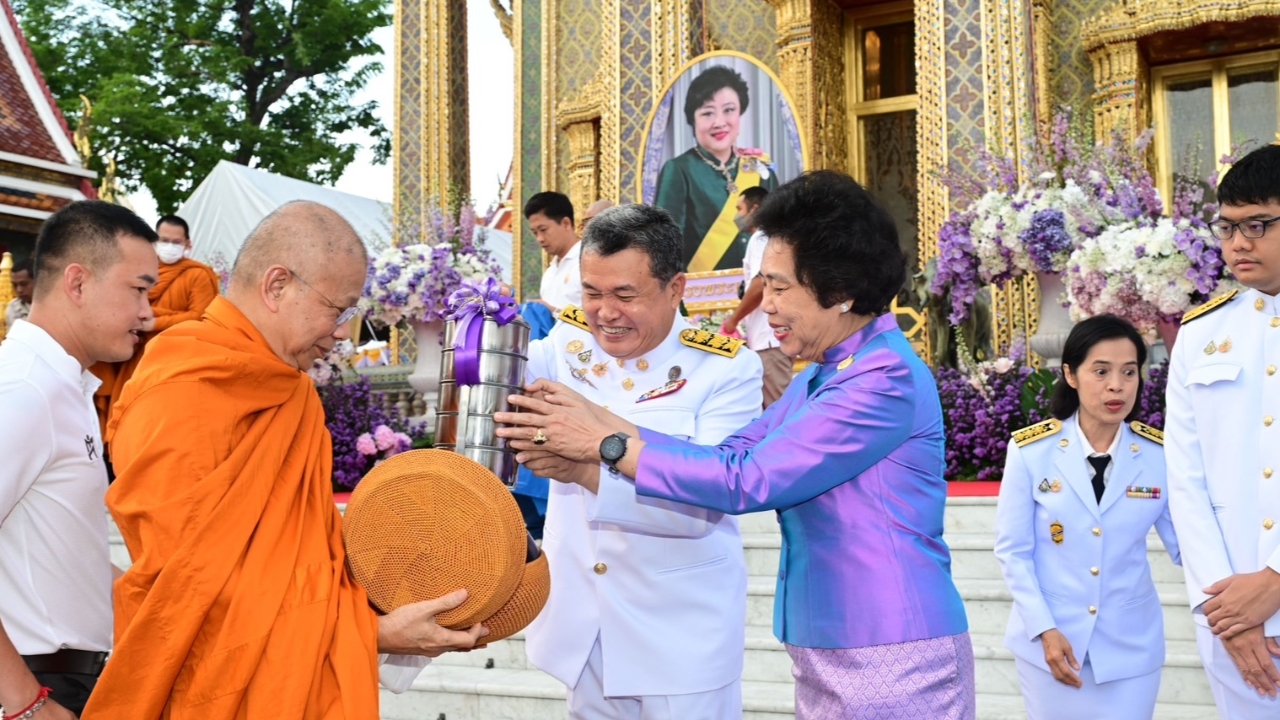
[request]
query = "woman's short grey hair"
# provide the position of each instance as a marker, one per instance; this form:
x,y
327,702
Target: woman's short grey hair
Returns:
x,y
643,227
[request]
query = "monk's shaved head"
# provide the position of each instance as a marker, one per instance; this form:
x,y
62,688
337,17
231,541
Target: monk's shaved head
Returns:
x,y
596,208
305,237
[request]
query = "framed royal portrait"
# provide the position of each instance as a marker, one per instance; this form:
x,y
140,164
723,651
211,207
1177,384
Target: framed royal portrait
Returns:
x,y
724,124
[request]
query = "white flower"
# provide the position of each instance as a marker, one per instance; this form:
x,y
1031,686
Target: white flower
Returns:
x,y
1002,365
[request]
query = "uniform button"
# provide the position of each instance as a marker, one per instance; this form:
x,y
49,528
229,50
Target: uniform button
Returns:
x,y
1275,322
1094,571
1266,472
1268,524
601,568
1271,369
1267,420
1093,610
1097,531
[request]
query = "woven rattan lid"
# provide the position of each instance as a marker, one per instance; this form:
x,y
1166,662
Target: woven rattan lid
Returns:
x,y
425,523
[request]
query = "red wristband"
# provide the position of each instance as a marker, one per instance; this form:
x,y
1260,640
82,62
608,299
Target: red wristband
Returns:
x,y
44,695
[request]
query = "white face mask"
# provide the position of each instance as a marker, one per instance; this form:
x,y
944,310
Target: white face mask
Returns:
x,y
170,253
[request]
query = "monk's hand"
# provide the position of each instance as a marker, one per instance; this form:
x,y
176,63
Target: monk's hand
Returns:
x,y
549,465
1249,650
1242,601
1061,658
412,630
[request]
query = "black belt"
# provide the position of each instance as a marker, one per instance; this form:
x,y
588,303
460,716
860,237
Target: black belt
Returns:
x,y
79,662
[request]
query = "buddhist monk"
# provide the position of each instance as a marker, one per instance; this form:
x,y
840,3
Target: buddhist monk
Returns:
x,y
184,290
239,603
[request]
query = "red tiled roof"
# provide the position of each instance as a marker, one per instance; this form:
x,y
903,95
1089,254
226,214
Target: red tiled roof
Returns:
x,y
21,129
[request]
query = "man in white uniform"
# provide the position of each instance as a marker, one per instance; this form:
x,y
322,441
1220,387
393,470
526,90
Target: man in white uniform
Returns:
x,y
646,619
23,283
95,263
550,217
1223,449
759,336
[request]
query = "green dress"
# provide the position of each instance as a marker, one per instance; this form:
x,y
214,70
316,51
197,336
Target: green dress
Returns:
x,y
695,194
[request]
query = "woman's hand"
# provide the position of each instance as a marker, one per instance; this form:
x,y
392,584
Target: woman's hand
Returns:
x,y
572,425
553,467
1061,660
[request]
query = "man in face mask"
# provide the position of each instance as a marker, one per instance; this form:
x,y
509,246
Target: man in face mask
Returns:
x,y
184,290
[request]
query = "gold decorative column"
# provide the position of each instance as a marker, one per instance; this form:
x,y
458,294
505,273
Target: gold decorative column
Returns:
x,y
672,40
1120,96
580,118
1042,61
811,65
446,161
6,288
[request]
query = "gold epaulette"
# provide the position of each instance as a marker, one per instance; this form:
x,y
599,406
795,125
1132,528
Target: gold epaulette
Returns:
x,y
574,316
710,342
1040,430
1206,308
1148,432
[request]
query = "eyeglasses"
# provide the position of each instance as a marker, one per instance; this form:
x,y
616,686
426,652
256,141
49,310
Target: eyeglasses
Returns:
x,y
1252,229
344,316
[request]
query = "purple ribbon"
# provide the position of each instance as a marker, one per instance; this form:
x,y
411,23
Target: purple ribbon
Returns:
x,y
469,305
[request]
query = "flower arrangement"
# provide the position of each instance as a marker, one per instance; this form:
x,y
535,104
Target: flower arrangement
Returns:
x,y
1076,191
413,280
363,431
334,364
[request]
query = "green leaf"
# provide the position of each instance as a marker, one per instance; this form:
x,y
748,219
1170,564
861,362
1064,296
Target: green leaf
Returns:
x,y
1036,392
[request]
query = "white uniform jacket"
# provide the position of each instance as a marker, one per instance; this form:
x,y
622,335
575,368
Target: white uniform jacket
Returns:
x,y
662,583
1078,565
1223,447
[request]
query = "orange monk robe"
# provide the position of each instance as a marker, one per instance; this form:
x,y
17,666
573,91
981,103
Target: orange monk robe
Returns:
x,y
238,604
182,292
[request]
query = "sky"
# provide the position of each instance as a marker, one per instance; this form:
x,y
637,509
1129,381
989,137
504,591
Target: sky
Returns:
x,y
491,76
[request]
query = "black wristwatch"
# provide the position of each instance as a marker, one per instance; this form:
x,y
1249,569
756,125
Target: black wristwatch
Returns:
x,y
612,449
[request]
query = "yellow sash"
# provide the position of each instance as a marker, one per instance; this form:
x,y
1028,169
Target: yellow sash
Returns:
x,y
723,231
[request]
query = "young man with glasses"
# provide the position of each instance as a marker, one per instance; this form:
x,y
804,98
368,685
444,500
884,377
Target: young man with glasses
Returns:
x,y
1223,449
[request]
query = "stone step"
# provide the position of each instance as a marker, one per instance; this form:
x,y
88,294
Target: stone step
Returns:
x,y
988,604
972,556
468,693
1010,707
1183,681
766,659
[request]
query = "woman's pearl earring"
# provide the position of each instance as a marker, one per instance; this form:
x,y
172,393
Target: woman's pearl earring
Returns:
x,y
844,307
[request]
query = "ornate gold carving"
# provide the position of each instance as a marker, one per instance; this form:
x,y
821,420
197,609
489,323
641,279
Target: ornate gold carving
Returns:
x,y
6,288
517,152
444,108
610,166
504,17
550,14
672,41
1042,61
580,117
931,137
811,64
1120,73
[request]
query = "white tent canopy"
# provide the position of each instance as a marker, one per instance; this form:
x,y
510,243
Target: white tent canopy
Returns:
x,y
233,199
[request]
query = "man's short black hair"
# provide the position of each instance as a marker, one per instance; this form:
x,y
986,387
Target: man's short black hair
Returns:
x,y
845,244
24,265
86,232
754,195
174,220
555,206
1253,180
711,81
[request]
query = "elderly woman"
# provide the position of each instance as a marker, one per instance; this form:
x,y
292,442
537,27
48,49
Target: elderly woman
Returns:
x,y
851,457
700,187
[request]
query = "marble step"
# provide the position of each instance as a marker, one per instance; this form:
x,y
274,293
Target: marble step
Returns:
x,y
454,692
1183,681
1010,707
988,604
972,556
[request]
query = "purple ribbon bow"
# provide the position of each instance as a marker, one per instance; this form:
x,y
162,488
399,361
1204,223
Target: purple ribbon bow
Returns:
x,y
469,305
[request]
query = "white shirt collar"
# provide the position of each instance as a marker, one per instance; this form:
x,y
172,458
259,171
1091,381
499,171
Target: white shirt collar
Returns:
x,y
1088,448
43,346
1268,305
570,254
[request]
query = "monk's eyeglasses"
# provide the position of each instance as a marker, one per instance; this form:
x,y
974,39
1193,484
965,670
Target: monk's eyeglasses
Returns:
x,y
344,316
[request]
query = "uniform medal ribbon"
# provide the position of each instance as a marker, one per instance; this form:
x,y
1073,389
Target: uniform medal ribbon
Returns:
x,y
469,305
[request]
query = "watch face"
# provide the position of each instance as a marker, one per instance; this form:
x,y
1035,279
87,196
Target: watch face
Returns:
x,y
613,448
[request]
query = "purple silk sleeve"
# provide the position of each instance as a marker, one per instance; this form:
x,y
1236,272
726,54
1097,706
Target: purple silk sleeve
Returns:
x,y
799,450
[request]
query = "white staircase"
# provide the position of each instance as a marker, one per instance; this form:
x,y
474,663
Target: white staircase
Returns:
x,y
497,682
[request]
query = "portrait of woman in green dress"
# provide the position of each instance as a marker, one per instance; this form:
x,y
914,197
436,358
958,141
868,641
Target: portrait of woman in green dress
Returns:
x,y
706,162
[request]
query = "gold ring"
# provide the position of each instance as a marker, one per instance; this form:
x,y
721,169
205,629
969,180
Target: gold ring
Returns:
x,y
539,438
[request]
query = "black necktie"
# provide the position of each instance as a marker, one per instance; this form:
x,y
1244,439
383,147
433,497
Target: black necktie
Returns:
x,y
1099,463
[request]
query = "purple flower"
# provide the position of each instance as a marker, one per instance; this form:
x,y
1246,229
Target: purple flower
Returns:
x,y
1047,240
384,437
365,445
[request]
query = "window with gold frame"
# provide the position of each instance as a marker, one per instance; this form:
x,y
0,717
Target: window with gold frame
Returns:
x,y
882,113
1202,109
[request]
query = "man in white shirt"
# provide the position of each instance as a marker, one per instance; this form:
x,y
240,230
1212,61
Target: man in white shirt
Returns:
x,y
759,336
550,217
95,263
20,306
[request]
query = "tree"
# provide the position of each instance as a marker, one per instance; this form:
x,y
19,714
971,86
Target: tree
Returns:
x,y
177,86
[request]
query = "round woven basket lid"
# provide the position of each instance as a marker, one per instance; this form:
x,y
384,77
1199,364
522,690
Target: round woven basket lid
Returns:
x,y
425,523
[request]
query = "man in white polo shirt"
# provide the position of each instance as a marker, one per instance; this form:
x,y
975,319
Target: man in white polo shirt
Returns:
x,y
94,265
550,217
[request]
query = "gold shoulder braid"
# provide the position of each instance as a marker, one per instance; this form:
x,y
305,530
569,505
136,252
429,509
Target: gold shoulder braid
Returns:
x,y
710,342
1148,432
1039,431
1208,307
574,316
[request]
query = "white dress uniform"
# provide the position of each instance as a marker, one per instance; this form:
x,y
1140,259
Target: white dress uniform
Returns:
x,y
1080,566
1224,451
647,613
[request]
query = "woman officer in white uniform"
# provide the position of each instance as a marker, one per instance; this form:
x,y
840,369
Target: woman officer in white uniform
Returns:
x,y
1080,494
